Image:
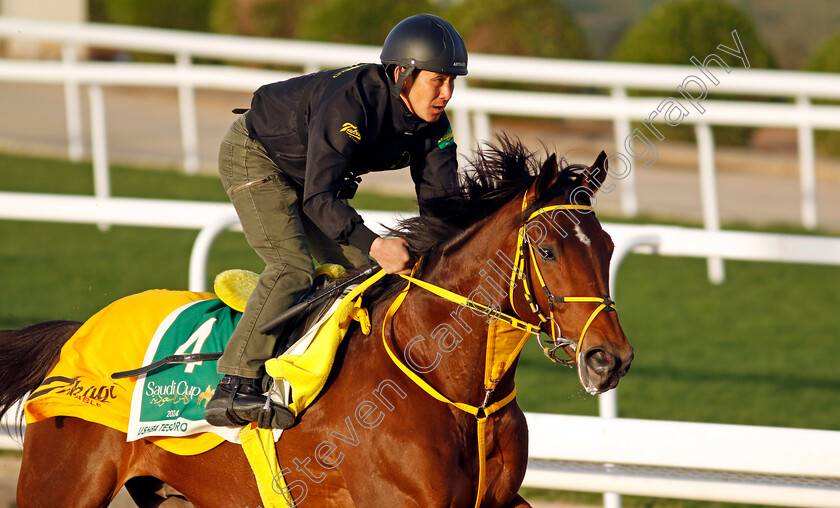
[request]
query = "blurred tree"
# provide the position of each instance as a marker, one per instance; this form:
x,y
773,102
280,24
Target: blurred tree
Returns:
x,y
519,27
225,17
675,31
355,22
263,18
183,14
96,11
826,58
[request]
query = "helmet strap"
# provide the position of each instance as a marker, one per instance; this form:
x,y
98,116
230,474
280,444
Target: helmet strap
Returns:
x,y
396,87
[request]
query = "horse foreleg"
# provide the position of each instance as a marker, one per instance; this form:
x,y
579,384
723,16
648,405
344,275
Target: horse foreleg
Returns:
x,y
518,502
70,463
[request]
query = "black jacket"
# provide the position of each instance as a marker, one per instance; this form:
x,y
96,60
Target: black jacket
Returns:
x,y
325,129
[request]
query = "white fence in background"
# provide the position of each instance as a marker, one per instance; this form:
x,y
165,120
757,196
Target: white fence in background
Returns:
x,y
210,218
712,462
686,460
470,107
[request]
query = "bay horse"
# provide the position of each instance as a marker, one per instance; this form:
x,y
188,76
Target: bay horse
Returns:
x,y
376,437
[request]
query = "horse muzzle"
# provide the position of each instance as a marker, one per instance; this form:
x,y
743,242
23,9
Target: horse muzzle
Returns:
x,y
600,369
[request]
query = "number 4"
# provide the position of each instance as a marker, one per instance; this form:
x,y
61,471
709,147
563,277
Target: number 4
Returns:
x,y
198,337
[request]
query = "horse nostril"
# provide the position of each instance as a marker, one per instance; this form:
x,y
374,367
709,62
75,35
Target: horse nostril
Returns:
x,y
598,360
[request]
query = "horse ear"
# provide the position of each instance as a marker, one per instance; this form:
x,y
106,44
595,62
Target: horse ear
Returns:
x,y
548,175
593,177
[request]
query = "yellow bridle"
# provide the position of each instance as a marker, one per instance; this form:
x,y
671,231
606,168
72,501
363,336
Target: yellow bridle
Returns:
x,y
525,249
495,371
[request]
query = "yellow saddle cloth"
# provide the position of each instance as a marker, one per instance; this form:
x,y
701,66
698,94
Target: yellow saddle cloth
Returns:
x,y
114,339
117,338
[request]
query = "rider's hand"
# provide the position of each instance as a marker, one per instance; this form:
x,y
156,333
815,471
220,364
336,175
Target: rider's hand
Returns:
x,y
391,254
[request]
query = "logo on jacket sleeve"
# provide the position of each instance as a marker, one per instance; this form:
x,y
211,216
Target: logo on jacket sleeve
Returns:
x,y
352,132
447,139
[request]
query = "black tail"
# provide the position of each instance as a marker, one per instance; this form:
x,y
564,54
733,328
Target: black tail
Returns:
x,y
26,357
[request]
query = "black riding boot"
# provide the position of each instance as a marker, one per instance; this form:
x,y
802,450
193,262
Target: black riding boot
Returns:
x,y
239,400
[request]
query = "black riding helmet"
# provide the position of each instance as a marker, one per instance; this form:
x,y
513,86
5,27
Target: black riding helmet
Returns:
x,y
425,42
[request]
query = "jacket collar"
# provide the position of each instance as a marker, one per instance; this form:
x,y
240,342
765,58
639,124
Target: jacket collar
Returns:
x,y
404,120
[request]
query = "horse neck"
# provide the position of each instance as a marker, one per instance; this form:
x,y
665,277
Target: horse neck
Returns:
x,y
449,342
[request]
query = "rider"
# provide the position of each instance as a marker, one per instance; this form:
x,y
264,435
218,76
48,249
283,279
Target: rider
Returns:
x,y
290,163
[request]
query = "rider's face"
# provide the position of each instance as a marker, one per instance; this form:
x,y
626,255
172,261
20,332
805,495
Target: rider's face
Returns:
x,y
426,93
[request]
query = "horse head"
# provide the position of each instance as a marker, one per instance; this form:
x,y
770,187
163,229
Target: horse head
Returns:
x,y
563,258
522,239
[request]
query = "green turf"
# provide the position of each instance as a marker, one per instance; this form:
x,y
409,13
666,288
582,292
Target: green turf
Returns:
x,y
759,349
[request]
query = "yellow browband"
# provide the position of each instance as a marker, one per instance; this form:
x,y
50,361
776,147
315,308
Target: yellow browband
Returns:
x,y
519,272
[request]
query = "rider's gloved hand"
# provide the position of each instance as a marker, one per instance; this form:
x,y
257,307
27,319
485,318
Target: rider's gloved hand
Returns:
x,y
392,255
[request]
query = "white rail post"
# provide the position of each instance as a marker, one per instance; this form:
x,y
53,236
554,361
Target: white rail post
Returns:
x,y
621,129
608,402
99,142
708,194
608,406
201,250
481,124
186,108
72,103
807,165
99,145
624,245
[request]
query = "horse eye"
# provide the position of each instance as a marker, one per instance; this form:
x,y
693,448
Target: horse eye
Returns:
x,y
547,254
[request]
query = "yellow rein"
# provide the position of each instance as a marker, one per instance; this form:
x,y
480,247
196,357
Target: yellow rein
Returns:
x,y
483,411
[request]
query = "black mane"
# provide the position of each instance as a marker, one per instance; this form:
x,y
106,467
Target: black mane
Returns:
x,y
499,173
